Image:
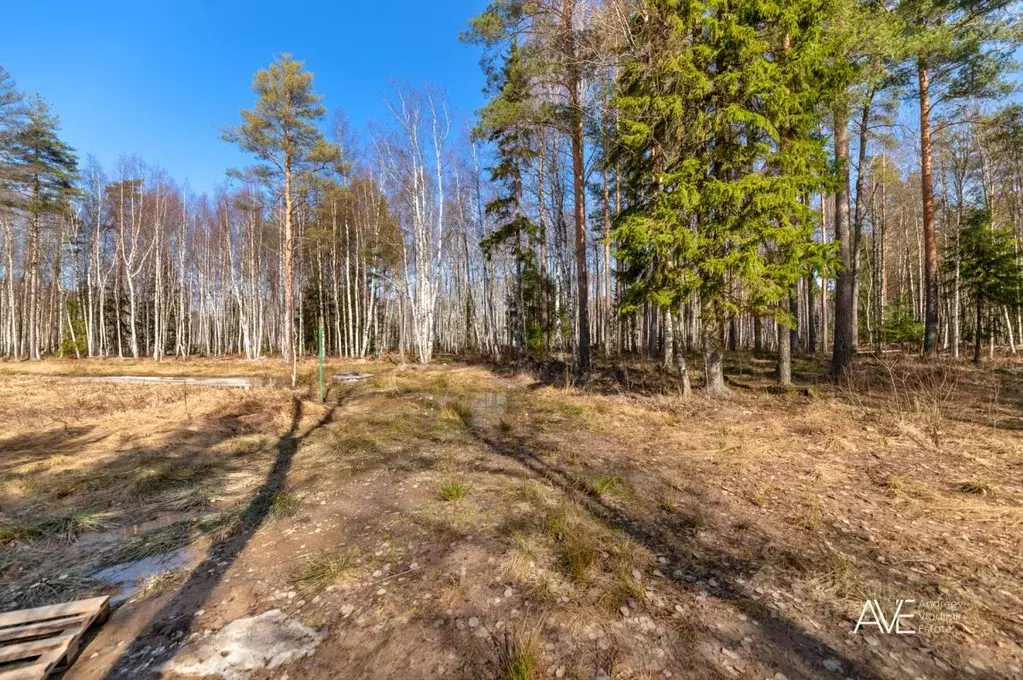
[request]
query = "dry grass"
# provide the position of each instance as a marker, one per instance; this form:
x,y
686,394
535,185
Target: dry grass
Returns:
x,y
517,657
609,513
326,570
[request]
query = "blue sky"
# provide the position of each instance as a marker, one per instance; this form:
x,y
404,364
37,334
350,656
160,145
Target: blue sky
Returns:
x,y
156,78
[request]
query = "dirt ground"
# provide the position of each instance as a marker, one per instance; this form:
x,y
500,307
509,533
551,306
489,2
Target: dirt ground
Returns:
x,y
462,521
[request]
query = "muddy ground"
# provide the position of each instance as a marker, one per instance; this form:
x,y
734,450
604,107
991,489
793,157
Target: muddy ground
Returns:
x,y
463,521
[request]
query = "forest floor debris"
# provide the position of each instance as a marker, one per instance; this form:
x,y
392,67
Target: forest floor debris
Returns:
x,y
462,521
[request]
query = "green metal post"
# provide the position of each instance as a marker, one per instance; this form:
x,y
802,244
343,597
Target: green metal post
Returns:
x,y
321,356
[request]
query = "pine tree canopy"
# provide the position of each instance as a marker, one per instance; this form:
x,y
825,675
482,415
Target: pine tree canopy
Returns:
x,y
281,128
41,169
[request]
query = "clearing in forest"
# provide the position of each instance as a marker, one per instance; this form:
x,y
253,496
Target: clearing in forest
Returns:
x,y
458,521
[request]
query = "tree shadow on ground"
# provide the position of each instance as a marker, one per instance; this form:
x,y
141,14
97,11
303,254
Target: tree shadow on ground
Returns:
x,y
801,654
177,614
24,449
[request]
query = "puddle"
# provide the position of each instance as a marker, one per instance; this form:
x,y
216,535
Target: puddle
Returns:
x,y
158,522
130,577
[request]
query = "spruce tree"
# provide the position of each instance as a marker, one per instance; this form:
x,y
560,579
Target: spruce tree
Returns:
x,y
989,272
508,121
718,136
562,52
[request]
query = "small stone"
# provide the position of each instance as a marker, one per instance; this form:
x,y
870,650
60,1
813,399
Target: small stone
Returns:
x,y
560,673
473,622
833,665
346,610
508,592
624,610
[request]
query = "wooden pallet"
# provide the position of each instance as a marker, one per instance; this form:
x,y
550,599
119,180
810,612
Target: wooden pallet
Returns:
x,y
35,642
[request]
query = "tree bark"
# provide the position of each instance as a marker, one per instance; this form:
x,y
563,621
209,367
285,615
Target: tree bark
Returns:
x,y
930,243
842,355
574,84
783,371
713,361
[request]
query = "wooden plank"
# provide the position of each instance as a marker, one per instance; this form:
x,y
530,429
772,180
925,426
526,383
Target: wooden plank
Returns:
x,y
36,671
54,611
41,628
26,650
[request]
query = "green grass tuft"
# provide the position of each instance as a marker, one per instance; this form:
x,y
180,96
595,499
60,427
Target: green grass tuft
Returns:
x,y
454,490
609,484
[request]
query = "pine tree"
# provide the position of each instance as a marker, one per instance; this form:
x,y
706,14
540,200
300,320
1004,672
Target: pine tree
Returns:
x,y
959,49
281,131
718,137
11,113
41,175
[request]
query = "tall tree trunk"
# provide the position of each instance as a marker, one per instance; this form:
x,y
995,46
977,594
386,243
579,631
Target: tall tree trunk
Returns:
x,y
574,84
842,356
930,242
824,279
288,328
860,210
